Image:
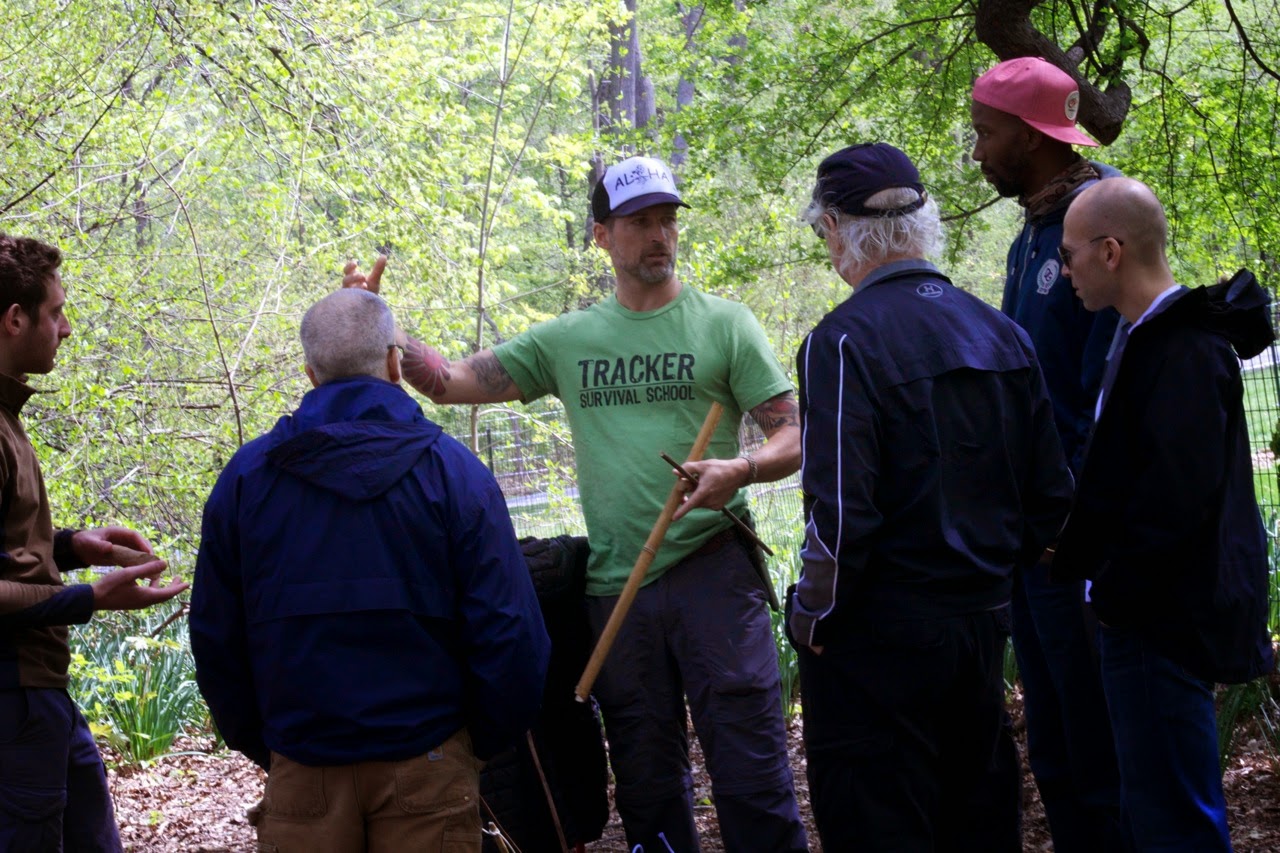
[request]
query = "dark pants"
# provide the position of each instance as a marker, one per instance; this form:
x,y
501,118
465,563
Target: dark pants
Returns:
x,y
53,787
702,630
1167,741
1069,743
904,729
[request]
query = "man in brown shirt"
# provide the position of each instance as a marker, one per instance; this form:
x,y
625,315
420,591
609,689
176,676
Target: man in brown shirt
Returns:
x,y
53,788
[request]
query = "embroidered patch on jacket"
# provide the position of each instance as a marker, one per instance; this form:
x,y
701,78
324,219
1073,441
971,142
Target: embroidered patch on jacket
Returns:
x,y
929,290
1047,276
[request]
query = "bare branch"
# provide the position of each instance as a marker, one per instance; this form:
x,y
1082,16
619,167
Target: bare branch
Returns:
x,y
1248,45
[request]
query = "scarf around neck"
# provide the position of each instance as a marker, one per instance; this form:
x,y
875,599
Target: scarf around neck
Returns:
x,y
1063,184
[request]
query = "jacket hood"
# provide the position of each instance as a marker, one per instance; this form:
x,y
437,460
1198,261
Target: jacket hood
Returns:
x,y
1238,309
356,437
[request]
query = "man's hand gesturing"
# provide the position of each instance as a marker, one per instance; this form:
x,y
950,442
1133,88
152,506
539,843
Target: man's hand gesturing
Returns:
x,y
119,590
352,277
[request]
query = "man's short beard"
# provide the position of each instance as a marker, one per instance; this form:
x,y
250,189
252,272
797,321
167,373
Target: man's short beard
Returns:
x,y
1006,188
655,273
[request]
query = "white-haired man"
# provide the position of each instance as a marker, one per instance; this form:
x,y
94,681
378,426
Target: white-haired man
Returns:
x,y
931,468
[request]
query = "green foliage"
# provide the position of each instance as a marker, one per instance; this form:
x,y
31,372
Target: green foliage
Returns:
x,y
786,571
137,690
1010,668
1257,701
777,514
208,166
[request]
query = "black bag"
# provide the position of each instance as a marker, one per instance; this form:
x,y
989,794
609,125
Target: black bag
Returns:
x,y
568,735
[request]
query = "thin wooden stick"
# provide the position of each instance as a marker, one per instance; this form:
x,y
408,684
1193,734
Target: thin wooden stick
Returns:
x,y
124,556
724,510
647,553
546,789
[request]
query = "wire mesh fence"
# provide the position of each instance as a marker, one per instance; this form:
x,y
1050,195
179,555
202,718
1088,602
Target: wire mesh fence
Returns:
x,y
529,451
1262,411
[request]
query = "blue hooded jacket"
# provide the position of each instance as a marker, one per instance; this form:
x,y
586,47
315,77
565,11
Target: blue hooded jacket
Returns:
x,y
359,593
1071,342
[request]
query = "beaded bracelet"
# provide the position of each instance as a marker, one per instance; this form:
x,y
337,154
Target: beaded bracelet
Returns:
x,y
752,470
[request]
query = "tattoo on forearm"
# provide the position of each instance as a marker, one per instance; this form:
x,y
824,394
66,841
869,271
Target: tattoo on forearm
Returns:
x,y
777,412
425,368
491,376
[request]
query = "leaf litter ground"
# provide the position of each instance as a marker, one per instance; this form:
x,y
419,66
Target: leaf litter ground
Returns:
x,y
194,800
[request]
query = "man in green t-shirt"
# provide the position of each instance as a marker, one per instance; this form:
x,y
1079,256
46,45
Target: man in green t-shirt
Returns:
x,y
637,374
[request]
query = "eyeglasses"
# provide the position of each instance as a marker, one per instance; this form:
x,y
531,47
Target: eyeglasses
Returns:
x,y
397,346
1065,254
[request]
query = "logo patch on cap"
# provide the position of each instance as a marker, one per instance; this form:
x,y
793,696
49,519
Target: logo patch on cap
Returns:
x,y
1073,105
642,175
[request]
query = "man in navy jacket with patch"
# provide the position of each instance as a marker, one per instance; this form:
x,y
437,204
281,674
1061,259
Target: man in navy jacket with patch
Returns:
x,y
1165,521
363,621
931,469
1024,120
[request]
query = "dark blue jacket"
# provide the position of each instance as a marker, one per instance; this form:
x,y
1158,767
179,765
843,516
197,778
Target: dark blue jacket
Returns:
x,y
931,463
1070,342
359,593
1165,520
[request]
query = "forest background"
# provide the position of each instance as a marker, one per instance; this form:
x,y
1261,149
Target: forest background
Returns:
x,y
208,166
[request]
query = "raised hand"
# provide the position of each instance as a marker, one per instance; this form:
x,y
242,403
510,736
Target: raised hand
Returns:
x,y
353,277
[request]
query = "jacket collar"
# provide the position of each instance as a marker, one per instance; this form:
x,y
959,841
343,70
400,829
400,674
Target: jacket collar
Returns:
x,y
894,269
14,393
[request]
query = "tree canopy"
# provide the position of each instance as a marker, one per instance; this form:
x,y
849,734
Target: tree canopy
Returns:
x,y
207,165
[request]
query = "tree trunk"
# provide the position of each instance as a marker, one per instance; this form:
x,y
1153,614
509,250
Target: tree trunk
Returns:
x,y
691,18
622,102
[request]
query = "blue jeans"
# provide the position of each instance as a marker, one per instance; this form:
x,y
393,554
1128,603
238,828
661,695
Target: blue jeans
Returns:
x,y
53,788
1167,742
1069,742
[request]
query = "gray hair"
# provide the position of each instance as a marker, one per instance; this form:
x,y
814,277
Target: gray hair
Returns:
x,y
347,334
870,240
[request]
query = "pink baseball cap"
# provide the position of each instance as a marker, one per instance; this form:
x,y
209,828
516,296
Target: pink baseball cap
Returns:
x,y
1038,92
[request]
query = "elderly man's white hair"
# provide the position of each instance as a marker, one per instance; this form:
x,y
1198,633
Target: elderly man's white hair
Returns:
x,y
871,240
347,334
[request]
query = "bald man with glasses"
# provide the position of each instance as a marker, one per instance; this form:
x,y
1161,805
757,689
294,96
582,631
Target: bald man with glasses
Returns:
x,y
1165,523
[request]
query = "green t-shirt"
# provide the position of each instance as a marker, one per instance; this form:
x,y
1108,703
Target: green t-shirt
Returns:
x,y
634,385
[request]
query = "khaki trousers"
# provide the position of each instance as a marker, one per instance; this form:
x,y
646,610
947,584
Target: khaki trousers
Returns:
x,y
427,803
